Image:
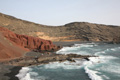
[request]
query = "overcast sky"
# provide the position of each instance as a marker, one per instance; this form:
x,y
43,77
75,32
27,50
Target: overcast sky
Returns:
x,y
60,12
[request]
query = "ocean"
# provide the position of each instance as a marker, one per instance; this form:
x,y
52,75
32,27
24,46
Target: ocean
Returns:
x,y
106,66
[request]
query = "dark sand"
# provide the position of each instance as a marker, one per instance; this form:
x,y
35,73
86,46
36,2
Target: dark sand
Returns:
x,y
8,72
14,71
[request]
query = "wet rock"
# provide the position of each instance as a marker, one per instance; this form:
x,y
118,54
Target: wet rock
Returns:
x,y
73,55
86,58
71,60
28,61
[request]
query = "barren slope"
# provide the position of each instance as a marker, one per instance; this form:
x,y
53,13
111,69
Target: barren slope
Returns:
x,y
9,50
76,31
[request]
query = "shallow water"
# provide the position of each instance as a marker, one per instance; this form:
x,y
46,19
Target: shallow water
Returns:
x,y
104,67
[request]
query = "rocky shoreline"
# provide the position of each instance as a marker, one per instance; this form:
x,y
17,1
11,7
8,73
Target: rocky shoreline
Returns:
x,y
12,67
44,59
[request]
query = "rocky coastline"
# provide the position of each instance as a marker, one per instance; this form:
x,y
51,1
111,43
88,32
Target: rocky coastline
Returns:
x,y
29,47
44,59
36,57
17,51
12,67
17,64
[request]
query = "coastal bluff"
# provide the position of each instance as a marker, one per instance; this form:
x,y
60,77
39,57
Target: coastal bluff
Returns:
x,y
14,45
75,31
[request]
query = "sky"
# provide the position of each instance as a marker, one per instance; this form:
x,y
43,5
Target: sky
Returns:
x,y
60,12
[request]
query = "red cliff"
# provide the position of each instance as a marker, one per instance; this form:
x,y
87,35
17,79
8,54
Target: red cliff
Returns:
x,y
14,45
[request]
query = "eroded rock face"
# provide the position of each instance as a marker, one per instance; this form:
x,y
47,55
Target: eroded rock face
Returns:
x,y
28,41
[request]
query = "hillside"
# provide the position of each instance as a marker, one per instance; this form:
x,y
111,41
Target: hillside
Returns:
x,y
76,31
8,49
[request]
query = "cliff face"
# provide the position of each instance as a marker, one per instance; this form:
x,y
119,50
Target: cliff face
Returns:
x,y
14,45
76,31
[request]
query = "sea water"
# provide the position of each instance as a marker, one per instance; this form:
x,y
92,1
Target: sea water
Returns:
x,y
106,66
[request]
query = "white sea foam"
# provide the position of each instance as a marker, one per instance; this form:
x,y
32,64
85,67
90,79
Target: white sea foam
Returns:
x,y
112,68
99,53
92,74
83,45
75,49
33,74
23,74
39,78
42,78
115,49
102,59
64,65
67,50
93,68
105,77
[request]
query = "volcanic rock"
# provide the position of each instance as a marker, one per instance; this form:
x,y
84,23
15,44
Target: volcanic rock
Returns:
x,y
14,45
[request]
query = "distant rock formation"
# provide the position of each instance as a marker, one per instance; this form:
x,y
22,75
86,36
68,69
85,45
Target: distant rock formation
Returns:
x,y
14,45
75,31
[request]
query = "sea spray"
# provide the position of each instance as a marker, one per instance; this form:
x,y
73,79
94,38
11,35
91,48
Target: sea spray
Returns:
x,y
24,74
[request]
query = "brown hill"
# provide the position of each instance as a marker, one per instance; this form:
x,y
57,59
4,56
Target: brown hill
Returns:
x,y
76,31
14,45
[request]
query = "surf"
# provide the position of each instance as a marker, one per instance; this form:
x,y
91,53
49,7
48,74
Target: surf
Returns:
x,y
97,68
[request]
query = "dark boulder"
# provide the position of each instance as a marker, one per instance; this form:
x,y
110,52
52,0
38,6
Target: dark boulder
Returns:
x,y
86,58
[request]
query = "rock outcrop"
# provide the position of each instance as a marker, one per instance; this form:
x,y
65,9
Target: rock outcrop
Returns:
x,y
76,31
116,40
14,45
29,61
